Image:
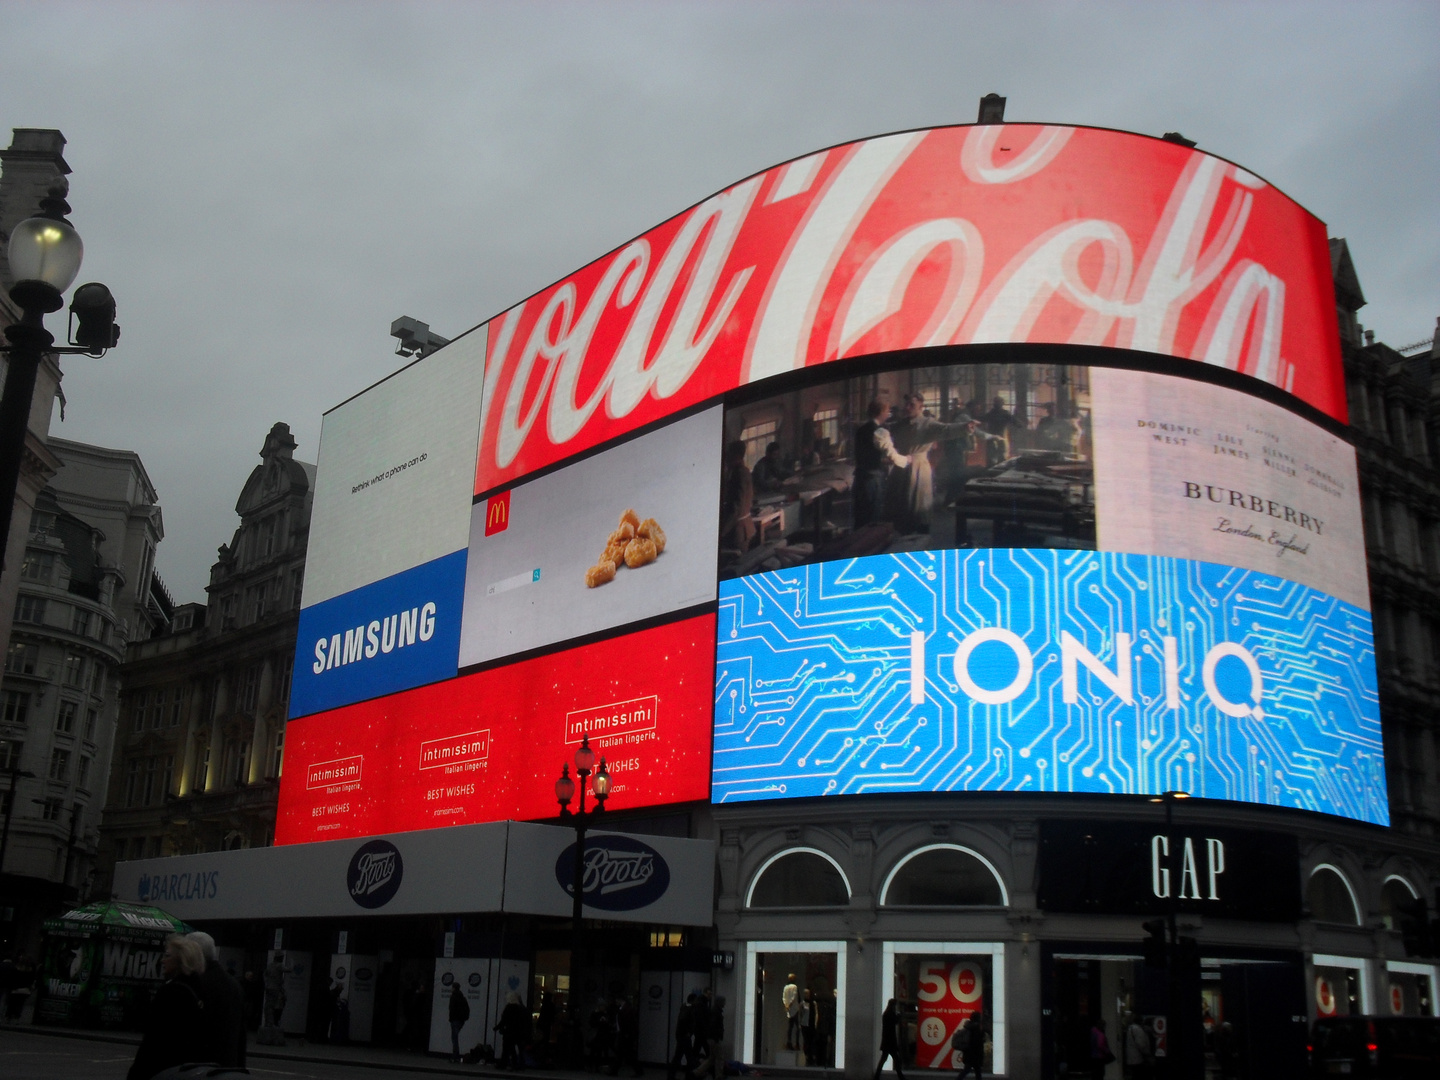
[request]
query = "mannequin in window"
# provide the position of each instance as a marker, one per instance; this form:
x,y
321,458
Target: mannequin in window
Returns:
x,y
790,1000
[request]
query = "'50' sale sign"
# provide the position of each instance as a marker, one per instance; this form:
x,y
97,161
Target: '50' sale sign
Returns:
x,y
949,992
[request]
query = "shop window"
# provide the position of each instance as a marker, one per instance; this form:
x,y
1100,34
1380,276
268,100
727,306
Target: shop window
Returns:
x,y
1339,987
943,875
937,990
1329,897
797,1014
1409,989
801,877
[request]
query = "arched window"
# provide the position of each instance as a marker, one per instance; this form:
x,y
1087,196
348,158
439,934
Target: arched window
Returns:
x,y
799,877
1401,908
944,875
1330,897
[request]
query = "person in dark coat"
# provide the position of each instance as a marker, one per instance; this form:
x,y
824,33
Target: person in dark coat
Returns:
x,y
459,1013
684,1039
890,1041
972,1046
809,1026
174,1031
714,1035
627,1032
224,1021
514,1029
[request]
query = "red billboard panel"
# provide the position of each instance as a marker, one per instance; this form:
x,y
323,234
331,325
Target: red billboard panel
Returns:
x,y
996,233
489,746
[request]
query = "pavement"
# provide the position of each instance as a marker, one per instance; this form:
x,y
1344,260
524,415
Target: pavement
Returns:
x,y
29,1052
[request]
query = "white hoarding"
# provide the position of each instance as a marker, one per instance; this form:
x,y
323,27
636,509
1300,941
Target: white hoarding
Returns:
x,y
396,472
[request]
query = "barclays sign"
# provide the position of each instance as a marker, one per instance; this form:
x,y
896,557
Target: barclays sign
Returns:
x,y
619,873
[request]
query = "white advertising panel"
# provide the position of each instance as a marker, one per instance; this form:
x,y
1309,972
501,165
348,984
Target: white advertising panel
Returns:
x,y
1190,470
532,579
394,478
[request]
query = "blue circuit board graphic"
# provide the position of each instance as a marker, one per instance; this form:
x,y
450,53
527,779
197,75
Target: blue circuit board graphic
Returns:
x,y
947,671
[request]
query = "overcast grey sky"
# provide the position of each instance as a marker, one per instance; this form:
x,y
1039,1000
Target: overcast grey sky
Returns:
x,y
264,187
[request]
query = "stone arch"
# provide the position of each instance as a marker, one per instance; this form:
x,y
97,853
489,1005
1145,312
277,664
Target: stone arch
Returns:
x,y
1330,896
799,876
944,874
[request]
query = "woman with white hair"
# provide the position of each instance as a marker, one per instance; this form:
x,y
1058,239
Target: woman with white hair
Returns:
x,y
174,1029
514,1028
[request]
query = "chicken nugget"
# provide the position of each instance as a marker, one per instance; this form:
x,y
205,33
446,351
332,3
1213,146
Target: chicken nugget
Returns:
x,y
640,551
624,534
650,529
614,553
600,573
631,518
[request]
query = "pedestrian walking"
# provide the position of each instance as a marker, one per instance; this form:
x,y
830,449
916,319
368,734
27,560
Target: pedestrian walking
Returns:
x,y
891,1045
1100,1055
224,1020
970,1041
714,1035
514,1029
459,1013
1139,1053
174,1030
683,1057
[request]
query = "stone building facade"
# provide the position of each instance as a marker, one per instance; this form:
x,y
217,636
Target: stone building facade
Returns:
x,y
86,588
201,739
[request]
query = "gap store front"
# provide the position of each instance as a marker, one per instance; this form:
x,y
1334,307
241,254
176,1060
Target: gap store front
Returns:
x,y
959,532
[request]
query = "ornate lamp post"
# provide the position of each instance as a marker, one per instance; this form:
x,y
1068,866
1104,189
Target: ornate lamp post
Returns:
x,y
565,789
44,255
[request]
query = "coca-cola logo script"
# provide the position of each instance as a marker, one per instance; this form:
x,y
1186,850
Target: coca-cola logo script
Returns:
x,y
949,236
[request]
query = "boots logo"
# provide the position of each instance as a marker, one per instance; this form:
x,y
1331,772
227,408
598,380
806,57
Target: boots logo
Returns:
x,y
374,875
619,873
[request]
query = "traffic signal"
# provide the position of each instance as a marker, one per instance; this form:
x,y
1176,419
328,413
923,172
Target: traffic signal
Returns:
x,y
93,308
1154,943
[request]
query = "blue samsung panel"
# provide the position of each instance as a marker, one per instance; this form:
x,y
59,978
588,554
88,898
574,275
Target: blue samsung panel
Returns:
x,y
401,632
1045,670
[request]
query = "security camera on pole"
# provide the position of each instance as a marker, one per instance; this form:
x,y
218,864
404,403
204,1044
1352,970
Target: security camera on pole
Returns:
x,y
44,256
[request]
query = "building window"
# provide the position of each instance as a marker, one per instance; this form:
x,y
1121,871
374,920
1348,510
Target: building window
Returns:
x,y
97,678
38,566
74,670
51,809
176,697
92,721
167,775
30,609
10,750
241,773
1329,897
943,875
59,764
14,707
158,710
138,705
157,846
81,622
82,776
297,581
258,600
202,777
287,672
119,850
132,781
250,688
65,718
22,658
277,755
827,426
151,775
800,877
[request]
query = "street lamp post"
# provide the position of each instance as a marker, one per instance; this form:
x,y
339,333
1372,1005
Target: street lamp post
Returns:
x,y
44,256
565,789
1183,1056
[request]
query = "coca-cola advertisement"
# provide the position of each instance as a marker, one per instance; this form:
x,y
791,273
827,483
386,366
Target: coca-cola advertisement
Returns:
x,y
948,236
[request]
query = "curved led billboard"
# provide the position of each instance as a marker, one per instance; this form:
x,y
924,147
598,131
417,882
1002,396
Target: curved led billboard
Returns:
x,y
755,503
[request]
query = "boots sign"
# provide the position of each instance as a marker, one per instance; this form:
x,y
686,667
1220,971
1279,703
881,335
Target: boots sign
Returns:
x,y
1125,869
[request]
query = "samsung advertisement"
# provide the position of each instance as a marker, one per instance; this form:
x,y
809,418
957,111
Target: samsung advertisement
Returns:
x,y
1039,483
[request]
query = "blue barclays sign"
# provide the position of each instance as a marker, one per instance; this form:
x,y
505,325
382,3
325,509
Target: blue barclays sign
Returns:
x,y
393,635
193,885
619,873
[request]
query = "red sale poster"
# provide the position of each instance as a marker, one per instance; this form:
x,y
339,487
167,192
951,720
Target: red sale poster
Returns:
x,y
948,992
